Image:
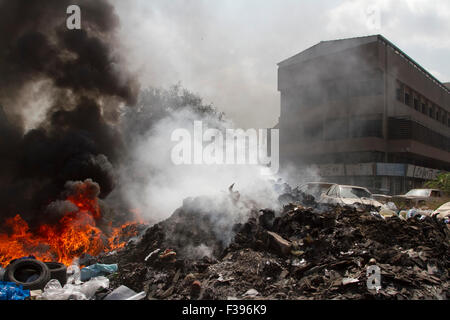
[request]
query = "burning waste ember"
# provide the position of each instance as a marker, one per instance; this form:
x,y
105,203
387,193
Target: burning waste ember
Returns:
x,y
74,234
228,248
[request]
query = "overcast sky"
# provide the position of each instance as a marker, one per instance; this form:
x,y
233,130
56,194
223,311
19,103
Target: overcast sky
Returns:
x,y
227,50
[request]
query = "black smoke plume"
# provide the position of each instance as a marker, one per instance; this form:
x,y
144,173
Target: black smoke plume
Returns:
x,y
86,84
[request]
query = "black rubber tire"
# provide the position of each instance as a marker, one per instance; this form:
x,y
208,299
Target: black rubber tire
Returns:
x,y
58,271
18,270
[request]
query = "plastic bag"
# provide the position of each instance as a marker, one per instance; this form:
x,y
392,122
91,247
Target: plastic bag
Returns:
x,y
12,291
92,286
96,270
124,293
54,291
73,274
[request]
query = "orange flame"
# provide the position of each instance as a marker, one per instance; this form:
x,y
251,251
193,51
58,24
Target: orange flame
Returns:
x,y
75,233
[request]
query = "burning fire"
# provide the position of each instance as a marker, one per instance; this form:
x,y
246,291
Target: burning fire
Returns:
x,y
75,233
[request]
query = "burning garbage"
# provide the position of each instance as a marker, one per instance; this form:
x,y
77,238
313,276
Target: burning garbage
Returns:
x,y
76,232
60,239
298,252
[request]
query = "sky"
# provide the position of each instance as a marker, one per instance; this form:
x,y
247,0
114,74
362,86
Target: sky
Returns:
x,y
227,50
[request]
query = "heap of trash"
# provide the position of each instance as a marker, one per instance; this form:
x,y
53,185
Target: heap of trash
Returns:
x,y
30,279
303,251
299,253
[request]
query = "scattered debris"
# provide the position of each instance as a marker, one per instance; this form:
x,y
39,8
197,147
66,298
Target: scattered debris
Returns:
x,y
151,254
279,244
251,293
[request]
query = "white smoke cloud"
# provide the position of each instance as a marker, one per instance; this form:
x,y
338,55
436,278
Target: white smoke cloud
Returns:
x,y
153,184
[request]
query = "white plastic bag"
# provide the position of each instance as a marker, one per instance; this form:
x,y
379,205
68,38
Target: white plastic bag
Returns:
x,y
85,291
54,291
74,273
90,287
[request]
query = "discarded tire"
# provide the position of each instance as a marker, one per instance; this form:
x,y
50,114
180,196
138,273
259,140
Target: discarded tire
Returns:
x,y
58,271
30,273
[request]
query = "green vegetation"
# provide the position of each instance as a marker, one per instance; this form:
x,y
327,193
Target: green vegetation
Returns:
x,y
442,182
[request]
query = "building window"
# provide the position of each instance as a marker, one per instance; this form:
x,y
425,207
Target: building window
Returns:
x,y
361,128
416,104
407,99
431,112
400,93
407,129
424,108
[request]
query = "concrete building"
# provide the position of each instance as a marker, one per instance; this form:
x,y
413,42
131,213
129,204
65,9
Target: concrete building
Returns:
x,y
360,111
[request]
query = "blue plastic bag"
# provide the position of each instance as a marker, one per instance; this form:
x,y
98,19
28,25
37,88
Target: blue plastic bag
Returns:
x,y
12,291
96,270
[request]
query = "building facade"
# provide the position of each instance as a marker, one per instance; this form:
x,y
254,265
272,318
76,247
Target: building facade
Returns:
x,y
360,111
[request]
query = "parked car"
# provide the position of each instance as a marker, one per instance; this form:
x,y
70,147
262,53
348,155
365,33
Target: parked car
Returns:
x,y
416,197
349,195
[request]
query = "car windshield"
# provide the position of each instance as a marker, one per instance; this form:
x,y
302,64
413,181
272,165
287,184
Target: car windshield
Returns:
x,y
418,193
317,189
349,192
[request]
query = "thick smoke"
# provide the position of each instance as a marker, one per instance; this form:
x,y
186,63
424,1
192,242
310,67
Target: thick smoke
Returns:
x,y
63,119
151,182
80,77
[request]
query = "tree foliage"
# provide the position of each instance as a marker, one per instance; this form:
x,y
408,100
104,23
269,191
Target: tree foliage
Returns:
x,y
155,104
442,182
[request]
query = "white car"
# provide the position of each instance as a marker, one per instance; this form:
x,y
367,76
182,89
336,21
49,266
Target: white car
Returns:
x,y
416,197
349,195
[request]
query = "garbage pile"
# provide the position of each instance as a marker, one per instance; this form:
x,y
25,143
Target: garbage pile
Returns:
x,y
300,253
30,279
304,251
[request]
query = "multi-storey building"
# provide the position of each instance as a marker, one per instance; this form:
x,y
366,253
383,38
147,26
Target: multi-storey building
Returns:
x,y
360,111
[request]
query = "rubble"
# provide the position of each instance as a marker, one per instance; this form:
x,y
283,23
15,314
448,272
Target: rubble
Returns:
x,y
299,253
277,242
